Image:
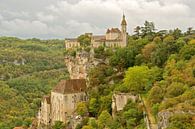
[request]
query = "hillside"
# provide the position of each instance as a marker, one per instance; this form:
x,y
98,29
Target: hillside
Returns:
x,y
28,70
158,66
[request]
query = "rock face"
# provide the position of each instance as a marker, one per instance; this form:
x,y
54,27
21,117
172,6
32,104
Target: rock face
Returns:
x,y
119,100
78,66
163,117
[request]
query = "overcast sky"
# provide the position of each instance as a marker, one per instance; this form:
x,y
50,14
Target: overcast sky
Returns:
x,y
69,18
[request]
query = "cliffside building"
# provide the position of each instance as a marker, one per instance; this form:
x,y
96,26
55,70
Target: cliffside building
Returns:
x,y
114,37
62,103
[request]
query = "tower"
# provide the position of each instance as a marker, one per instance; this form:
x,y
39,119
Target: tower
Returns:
x,y
123,25
124,32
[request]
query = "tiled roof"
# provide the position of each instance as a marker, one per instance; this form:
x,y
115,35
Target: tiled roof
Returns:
x,y
113,30
99,37
70,86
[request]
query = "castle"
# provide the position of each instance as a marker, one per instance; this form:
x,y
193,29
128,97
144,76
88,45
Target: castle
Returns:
x,y
61,104
114,37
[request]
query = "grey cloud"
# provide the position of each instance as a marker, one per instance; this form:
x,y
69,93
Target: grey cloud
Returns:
x,y
69,18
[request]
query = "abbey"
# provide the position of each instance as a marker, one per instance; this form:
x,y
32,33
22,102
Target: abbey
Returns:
x,y
114,37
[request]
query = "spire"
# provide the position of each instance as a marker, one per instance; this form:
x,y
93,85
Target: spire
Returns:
x,y
123,20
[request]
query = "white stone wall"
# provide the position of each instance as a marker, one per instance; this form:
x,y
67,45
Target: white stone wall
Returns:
x,y
71,44
119,100
45,112
112,36
64,105
96,44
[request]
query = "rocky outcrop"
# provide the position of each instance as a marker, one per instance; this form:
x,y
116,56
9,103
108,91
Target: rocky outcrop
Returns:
x,y
79,66
163,116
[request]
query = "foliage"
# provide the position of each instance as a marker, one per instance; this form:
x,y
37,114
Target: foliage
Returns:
x,y
81,108
104,120
181,121
28,70
58,125
136,78
84,40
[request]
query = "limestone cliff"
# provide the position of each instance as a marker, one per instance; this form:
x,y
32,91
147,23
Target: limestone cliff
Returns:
x,y
79,65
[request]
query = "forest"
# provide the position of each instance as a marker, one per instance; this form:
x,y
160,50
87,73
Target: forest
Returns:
x,y
28,70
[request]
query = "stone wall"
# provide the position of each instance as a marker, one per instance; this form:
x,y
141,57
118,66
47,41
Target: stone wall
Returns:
x,y
163,116
119,100
64,105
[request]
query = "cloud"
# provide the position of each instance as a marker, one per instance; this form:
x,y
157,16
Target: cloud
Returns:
x,y
70,18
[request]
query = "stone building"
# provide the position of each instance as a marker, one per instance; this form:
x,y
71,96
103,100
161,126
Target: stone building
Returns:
x,y
64,98
45,110
61,105
119,100
114,37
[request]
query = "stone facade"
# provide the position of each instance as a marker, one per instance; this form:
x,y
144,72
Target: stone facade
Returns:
x,y
45,110
113,38
62,103
119,100
71,43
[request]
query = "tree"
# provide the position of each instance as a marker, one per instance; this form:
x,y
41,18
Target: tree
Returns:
x,y
181,121
123,58
137,31
175,89
136,78
93,106
147,51
84,40
155,95
148,29
81,108
58,125
104,120
87,127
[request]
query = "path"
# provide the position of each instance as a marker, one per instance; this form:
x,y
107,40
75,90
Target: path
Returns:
x,y
151,122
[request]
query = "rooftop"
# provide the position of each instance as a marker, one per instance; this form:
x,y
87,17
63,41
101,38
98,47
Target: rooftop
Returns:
x,y
70,86
113,30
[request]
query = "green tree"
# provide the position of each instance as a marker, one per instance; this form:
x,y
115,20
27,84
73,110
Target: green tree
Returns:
x,y
81,108
155,95
87,127
93,106
104,120
58,125
136,78
84,40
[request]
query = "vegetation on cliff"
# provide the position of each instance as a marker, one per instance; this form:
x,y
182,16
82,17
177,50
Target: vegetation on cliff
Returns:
x,y
157,65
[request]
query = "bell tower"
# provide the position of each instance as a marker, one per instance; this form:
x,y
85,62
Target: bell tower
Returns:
x,y
124,32
123,25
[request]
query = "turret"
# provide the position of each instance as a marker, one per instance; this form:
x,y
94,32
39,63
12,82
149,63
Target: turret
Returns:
x,y
124,32
123,25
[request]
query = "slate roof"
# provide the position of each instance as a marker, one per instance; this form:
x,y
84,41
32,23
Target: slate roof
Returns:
x,y
70,86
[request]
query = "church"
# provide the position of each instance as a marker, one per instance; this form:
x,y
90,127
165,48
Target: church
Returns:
x,y
114,37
